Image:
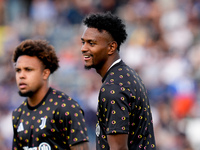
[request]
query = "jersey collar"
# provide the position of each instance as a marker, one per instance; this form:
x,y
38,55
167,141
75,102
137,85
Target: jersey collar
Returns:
x,y
115,62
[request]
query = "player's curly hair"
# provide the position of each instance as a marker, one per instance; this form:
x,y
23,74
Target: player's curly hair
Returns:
x,y
109,22
39,48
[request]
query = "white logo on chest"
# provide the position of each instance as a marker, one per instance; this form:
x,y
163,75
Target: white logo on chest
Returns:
x,y
44,146
97,129
20,127
43,124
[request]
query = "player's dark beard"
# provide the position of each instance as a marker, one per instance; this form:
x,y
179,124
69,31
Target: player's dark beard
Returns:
x,y
27,94
98,66
92,66
89,67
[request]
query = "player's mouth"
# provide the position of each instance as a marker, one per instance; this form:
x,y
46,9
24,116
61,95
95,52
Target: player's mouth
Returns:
x,y
22,85
87,57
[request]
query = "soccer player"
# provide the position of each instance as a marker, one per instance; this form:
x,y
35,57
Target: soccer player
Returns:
x,y
124,114
47,119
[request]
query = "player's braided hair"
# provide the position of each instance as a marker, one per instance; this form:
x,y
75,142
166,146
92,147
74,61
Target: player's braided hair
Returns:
x,y
39,48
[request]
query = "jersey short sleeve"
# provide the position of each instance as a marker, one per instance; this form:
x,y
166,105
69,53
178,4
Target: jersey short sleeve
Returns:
x,y
71,123
114,99
16,142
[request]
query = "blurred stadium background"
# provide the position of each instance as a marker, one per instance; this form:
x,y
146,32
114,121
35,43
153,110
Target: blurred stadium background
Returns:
x,y
163,46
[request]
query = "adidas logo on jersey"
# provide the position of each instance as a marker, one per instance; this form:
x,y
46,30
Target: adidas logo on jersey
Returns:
x,y
20,127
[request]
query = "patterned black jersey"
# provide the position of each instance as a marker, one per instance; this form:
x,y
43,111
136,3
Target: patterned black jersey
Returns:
x,y
123,108
55,124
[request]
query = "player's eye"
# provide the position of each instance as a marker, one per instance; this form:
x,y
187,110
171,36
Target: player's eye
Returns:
x,y
83,42
92,43
28,69
17,70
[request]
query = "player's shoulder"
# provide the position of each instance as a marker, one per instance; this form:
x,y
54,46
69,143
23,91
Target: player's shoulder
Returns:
x,y
65,104
122,71
119,75
58,94
20,108
61,97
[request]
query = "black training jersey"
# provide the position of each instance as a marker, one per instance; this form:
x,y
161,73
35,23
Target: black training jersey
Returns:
x,y
55,124
123,108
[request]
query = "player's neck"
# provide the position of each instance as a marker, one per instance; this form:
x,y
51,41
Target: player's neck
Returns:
x,y
37,96
102,71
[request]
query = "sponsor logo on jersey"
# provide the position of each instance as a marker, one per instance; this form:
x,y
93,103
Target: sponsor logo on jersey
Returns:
x,y
20,127
32,148
42,146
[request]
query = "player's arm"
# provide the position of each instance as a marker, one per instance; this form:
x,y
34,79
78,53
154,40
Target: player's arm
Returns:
x,y
118,141
15,142
80,146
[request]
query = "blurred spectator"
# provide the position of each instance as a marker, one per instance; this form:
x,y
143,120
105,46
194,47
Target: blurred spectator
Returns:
x,y
42,10
163,46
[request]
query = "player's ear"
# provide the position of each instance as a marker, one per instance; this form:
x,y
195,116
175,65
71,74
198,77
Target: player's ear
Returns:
x,y
46,73
112,47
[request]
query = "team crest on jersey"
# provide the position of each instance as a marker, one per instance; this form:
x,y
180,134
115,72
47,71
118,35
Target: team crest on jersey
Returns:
x,y
97,129
44,146
43,124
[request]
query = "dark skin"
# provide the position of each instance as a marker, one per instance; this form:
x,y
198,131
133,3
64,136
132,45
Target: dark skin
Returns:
x,y
118,141
80,146
100,51
100,48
